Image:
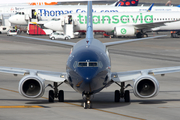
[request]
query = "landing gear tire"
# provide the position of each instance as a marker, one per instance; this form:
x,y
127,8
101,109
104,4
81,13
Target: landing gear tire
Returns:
x,y
61,96
127,96
51,96
116,96
87,105
145,35
139,35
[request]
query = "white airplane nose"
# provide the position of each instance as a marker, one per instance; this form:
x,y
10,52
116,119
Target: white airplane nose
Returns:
x,y
53,25
18,20
48,25
11,19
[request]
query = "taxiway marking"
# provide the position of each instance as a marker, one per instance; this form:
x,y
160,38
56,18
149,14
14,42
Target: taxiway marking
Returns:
x,y
21,107
80,106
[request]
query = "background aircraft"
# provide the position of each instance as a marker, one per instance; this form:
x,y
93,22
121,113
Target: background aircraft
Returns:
x,y
121,24
47,13
88,71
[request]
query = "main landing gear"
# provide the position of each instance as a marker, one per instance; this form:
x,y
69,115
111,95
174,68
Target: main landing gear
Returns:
x,y
87,102
141,35
55,93
123,94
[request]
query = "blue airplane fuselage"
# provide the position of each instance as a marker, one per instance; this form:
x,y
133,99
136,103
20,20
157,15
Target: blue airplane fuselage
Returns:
x,y
88,69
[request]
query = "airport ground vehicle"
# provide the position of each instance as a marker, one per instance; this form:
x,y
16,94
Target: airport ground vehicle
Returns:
x,y
4,29
11,32
37,28
56,35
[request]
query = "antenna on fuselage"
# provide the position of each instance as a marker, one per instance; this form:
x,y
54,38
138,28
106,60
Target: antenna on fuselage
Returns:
x,y
89,31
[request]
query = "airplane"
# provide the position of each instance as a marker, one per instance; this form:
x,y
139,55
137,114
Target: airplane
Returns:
x,y
23,17
88,71
121,24
12,8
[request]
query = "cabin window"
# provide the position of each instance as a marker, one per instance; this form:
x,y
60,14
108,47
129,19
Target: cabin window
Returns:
x,y
75,64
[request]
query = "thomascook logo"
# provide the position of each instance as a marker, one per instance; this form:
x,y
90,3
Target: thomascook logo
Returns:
x,y
123,31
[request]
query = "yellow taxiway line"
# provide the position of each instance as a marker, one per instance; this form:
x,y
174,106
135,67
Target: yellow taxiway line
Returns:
x,y
67,103
21,107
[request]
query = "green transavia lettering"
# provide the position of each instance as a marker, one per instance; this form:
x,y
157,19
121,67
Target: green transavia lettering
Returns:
x,y
124,19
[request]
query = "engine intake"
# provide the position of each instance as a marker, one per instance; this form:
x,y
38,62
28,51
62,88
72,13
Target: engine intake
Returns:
x,y
31,86
146,87
124,31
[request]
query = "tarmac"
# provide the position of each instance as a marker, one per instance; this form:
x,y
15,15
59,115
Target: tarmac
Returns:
x,y
27,53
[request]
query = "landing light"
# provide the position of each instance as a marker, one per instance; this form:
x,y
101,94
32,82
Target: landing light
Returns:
x,y
62,76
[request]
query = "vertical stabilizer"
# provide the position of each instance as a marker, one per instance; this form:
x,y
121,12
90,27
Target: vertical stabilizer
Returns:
x,y
89,32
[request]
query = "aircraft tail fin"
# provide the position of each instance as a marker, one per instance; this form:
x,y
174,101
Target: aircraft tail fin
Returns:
x,y
126,3
150,8
89,32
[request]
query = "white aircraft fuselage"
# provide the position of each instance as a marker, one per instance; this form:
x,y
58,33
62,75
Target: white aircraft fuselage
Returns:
x,y
46,13
124,23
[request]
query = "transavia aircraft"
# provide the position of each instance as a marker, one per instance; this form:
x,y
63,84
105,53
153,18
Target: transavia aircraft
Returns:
x,y
47,13
121,24
88,71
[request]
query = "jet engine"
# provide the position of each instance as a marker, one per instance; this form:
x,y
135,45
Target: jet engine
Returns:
x,y
124,31
146,87
31,86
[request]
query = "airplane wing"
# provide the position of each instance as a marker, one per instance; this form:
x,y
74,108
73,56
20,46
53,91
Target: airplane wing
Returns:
x,y
151,25
52,41
132,75
45,75
131,40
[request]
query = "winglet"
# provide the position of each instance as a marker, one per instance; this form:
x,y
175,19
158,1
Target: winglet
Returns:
x,y
150,8
89,32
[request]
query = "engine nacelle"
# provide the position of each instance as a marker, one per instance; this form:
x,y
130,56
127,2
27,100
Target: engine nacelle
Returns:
x,y
146,87
31,86
124,31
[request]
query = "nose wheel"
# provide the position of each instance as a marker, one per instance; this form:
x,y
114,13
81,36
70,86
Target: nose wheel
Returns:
x,y
87,103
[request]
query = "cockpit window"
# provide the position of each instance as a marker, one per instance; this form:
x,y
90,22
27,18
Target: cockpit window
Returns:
x,y
87,64
82,64
92,64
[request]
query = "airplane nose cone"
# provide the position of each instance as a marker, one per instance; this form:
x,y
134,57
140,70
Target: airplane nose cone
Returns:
x,y
48,25
11,19
54,25
88,74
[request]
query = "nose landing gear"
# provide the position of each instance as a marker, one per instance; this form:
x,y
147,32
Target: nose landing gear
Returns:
x,y
87,102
